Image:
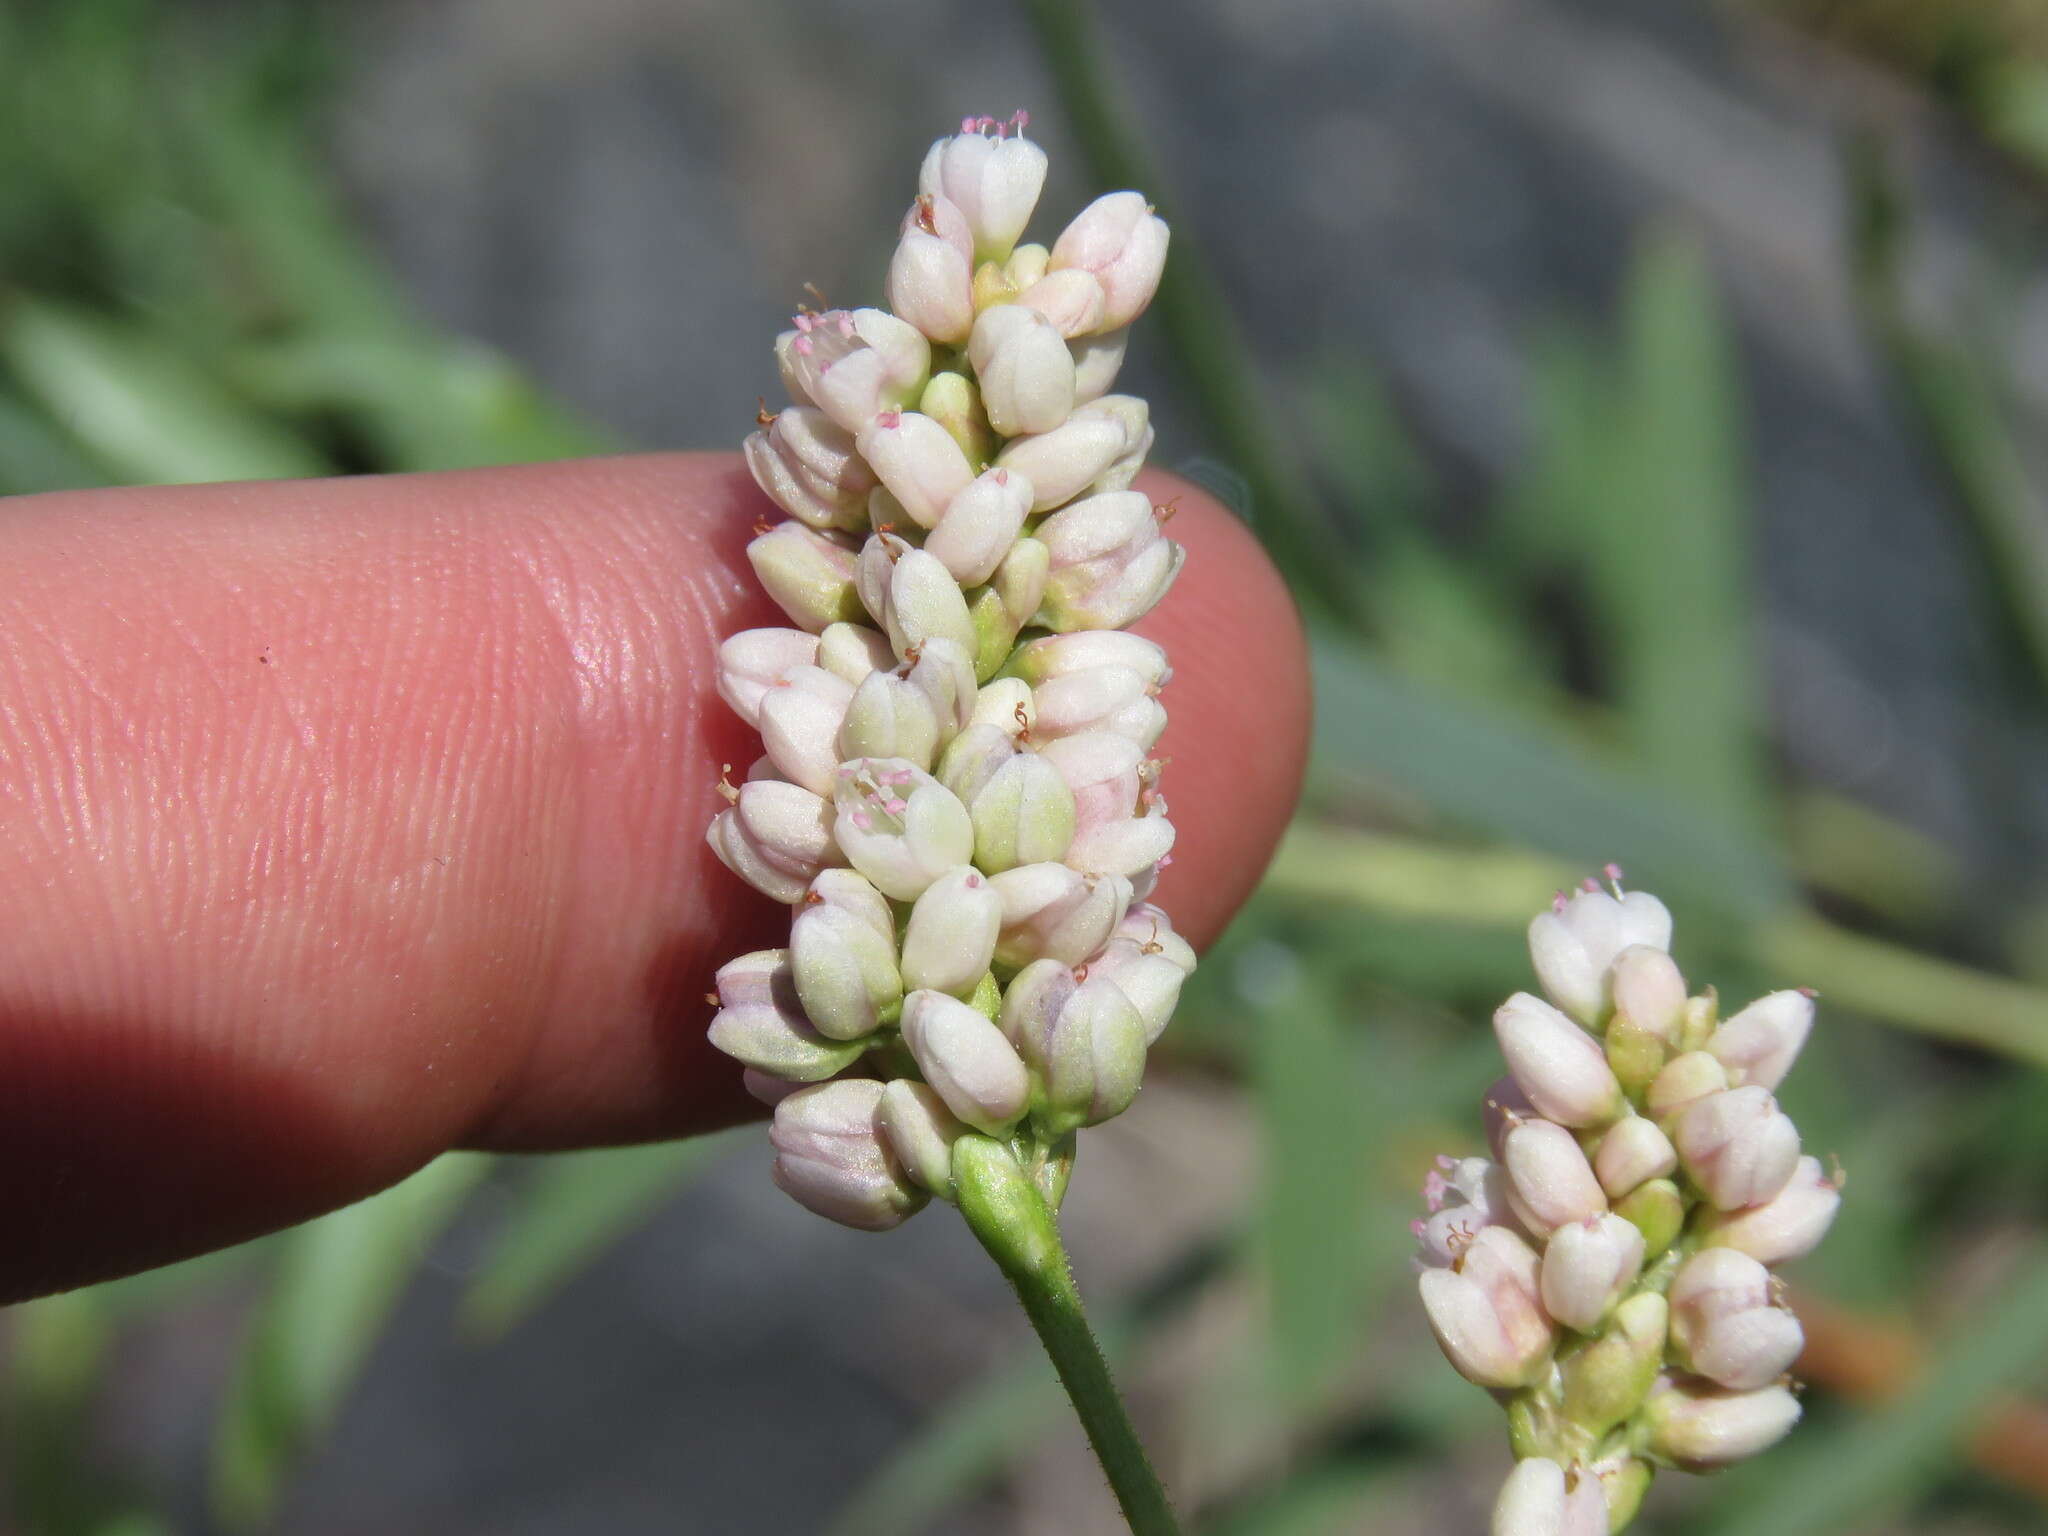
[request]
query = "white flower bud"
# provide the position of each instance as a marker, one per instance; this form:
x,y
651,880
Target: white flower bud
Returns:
x,y
1053,912
1109,698
898,825
830,1157
1071,300
1089,1056
1558,1065
1759,1044
889,717
1540,1499
755,660
1700,1428
931,273
854,892
846,973
1649,991
944,673
951,937
852,651
809,574
763,1089
855,364
1633,1152
1023,813
1128,847
918,461
980,525
1110,562
762,1022
1083,650
966,1060
921,602
1587,1265
800,720
1486,1313
1005,705
776,836
1684,1080
807,465
1123,243
1573,945
1726,1323
921,1131
1060,464
1152,931
994,182
1102,769
1024,368
1097,361
1550,1183
1147,977
1737,1146
1136,418
1788,1226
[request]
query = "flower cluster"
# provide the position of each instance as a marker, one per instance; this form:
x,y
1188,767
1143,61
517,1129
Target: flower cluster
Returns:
x,y
956,795
1607,1271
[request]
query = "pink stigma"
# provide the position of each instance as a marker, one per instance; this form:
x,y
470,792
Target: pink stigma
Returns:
x,y
967,125
1020,120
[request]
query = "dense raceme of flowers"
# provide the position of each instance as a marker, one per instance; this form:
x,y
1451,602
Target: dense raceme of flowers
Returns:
x,y
1607,1271
956,796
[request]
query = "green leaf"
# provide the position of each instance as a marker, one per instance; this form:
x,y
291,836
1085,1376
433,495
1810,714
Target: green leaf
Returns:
x,y
140,409
338,1280
569,1209
1847,1477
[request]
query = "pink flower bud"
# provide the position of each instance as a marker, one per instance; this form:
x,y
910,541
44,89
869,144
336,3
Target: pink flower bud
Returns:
x,y
1118,239
855,364
1071,300
966,1060
1649,991
1083,650
1759,1044
776,836
1102,769
1060,464
831,1159
994,181
755,660
1632,1152
1463,1195
800,720
807,465
1486,1313
1573,946
1550,1183
1787,1227
1053,912
980,525
1024,369
852,651
1129,847
1700,1427
846,974
889,717
1114,699
1726,1323
1023,814
1097,361
918,461
1089,1056
898,825
1147,976
1558,1065
951,936
1541,1499
931,274
1685,1080
1110,562
921,1131
1587,1265
762,1023
1737,1146
809,574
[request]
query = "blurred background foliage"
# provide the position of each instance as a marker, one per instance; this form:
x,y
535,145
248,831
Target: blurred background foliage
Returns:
x,y
1584,645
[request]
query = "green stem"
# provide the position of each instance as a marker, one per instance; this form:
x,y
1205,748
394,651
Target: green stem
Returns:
x,y
1005,1211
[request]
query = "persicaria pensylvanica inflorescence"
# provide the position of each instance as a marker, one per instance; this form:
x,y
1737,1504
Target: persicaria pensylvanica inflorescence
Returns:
x,y
1607,1271
956,794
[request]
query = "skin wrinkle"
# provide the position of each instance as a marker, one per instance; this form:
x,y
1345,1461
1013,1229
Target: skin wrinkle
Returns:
x,y
232,996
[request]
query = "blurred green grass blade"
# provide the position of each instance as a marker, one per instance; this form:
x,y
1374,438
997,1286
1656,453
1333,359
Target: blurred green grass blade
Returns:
x,y
142,411
338,1280
1844,1478
35,455
569,1209
1307,1084
967,1440
1328,1499
1670,543
1477,768
1196,316
59,1350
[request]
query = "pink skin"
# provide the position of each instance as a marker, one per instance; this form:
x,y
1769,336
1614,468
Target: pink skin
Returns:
x,y
349,821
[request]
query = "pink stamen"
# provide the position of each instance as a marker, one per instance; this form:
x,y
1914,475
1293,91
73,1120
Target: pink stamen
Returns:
x,y
1590,884
802,346
967,125
896,807
889,420
1559,902
1020,120
1417,1228
864,821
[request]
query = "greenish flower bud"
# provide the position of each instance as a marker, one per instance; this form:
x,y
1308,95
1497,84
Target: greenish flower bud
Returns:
x,y
952,400
1607,1381
846,973
967,1061
808,573
1089,1058
763,1025
1657,1210
921,1131
852,651
889,716
1023,814
951,936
